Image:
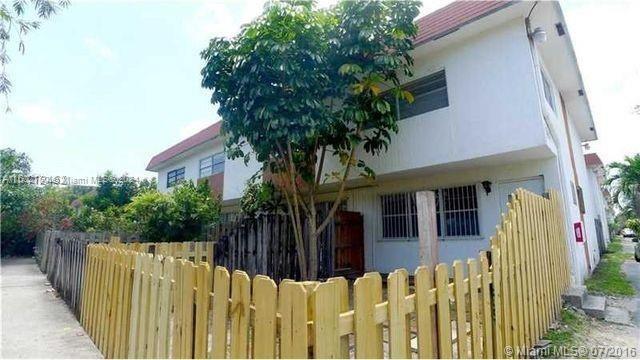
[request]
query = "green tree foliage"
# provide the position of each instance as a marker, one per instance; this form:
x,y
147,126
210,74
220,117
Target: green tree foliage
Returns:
x,y
624,179
181,215
634,224
27,209
16,22
300,82
17,203
115,191
260,196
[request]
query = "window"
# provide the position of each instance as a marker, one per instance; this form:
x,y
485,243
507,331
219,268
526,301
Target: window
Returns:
x,y
459,211
456,214
213,164
429,93
548,93
580,199
399,216
174,176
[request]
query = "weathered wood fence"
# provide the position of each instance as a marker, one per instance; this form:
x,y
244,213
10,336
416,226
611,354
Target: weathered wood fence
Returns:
x,y
265,245
138,305
61,255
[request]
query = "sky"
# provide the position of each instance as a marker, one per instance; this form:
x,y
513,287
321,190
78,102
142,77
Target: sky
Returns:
x,y
108,84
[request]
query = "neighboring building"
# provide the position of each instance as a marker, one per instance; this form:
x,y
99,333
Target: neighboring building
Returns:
x,y
492,106
601,200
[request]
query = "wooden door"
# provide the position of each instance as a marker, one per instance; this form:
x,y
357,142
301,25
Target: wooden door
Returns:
x,y
349,243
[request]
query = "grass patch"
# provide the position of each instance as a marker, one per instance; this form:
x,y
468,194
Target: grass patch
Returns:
x,y
571,323
608,278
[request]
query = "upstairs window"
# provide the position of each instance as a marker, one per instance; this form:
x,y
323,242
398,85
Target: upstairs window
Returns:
x,y
213,164
175,176
429,93
548,92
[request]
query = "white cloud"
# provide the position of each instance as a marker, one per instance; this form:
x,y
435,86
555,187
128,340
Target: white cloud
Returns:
x,y
99,48
46,116
221,18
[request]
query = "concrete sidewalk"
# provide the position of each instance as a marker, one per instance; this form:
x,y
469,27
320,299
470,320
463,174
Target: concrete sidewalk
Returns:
x,y
35,322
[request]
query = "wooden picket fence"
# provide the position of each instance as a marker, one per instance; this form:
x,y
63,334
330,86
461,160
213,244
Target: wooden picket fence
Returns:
x,y
138,305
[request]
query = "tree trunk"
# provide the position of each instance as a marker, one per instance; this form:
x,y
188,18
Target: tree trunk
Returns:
x,y
313,248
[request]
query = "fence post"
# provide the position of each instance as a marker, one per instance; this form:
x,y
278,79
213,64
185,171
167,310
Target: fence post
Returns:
x,y
427,227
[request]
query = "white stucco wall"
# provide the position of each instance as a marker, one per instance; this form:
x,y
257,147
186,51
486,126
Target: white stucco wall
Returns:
x,y
236,173
493,108
383,255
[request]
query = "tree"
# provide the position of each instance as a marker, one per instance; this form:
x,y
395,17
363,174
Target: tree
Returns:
x,y
301,83
18,197
15,21
624,178
180,215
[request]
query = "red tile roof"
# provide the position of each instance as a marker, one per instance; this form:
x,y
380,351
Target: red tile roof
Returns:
x,y
430,27
209,133
593,160
452,17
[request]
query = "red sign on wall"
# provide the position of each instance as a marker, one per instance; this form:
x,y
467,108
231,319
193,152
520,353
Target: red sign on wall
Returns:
x,y
577,230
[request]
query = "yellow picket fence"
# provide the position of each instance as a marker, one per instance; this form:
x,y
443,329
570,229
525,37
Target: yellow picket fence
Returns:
x,y
138,305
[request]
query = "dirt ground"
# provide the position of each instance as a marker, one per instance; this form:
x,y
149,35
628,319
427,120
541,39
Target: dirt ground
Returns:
x,y
613,338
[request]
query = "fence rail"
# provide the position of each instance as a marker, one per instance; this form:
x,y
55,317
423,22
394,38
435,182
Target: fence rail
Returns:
x,y
138,305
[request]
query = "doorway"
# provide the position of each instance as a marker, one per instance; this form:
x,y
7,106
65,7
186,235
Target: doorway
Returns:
x,y
349,244
508,187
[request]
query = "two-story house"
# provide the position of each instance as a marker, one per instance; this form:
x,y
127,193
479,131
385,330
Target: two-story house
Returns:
x,y
499,104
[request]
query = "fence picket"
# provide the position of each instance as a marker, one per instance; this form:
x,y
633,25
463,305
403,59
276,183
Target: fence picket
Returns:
x,y
461,309
239,314
293,325
424,313
265,301
487,320
398,326
444,316
342,288
164,298
188,284
326,337
220,313
203,286
474,307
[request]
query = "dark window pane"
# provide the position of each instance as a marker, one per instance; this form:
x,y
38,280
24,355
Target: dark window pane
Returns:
x,y
429,93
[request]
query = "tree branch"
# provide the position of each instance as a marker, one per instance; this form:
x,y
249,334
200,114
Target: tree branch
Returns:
x,y
336,203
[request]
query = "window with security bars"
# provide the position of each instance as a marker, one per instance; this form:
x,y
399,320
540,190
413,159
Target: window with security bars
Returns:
x,y
175,176
399,216
456,214
213,164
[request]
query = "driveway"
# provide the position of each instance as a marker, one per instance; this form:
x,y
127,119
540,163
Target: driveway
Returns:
x,y
36,323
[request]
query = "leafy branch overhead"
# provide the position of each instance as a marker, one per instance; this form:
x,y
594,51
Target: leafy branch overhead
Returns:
x,y
300,84
16,20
